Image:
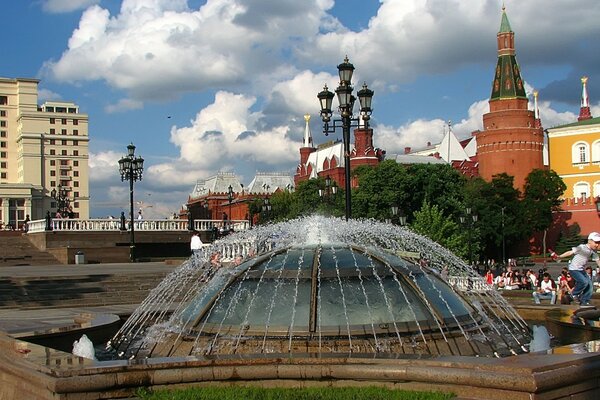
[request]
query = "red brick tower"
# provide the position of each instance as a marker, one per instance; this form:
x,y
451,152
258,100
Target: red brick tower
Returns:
x,y
510,141
584,111
363,153
303,169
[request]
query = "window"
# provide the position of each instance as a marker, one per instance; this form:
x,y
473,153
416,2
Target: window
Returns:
x,y
2,133
75,184
75,142
75,122
64,184
52,141
72,110
64,172
3,100
2,154
76,163
63,131
75,152
3,124
63,152
61,109
53,173
64,162
76,204
3,164
596,151
63,142
581,190
75,194
50,109
3,144
51,119
3,175
52,152
2,113
52,183
63,121
75,132
580,153
52,163
75,173
52,131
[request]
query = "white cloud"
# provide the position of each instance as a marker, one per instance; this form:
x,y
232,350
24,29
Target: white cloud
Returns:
x,y
47,95
66,6
124,105
104,167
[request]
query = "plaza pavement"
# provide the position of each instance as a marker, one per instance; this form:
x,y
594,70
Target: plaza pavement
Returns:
x,y
21,320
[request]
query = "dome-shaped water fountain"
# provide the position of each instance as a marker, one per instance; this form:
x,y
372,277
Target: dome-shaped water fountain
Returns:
x,y
322,285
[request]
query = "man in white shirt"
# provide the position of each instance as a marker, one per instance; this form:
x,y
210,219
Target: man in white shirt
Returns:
x,y
581,254
547,290
195,244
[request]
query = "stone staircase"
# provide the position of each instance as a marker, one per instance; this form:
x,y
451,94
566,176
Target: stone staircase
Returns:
x,y
76,291
16,249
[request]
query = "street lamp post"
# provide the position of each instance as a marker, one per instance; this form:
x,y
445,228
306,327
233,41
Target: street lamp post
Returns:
x,y
62,199
503,239
230,199
131,169
329,191
346,104
266,207
397,212
469,219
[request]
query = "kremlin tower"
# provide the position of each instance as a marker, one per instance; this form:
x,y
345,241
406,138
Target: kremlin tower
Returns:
x,y
512,139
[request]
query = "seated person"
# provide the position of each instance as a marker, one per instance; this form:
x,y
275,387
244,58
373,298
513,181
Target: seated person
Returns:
x,y
547,290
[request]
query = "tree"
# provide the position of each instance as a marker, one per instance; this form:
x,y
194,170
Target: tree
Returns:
x,y
430,221
543,189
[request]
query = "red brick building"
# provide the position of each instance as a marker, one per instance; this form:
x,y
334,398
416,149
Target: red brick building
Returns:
x,y
512,140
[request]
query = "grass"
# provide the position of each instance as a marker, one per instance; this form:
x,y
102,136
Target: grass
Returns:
x,y
255,393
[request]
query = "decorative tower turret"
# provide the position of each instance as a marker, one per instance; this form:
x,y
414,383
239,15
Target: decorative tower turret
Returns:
x,y
363,152
510,142
303,170
584,111
536,110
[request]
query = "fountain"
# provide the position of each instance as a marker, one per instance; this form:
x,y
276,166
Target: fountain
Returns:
x,y
320,285
318,301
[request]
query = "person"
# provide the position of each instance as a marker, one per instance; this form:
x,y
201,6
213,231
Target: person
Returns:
x,y
26,223
489,277
581,254
566,283
58,215
500,281
547,290
195,244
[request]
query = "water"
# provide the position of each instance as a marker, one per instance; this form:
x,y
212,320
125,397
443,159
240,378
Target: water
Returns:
x,y
318,285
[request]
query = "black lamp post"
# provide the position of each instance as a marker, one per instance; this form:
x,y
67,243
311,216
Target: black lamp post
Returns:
x,y
397,212
62,199
329,191
230,199
346,104
131,168
598,205
469,219
266,207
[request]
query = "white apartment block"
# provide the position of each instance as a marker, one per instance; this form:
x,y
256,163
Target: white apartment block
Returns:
x,y
42,147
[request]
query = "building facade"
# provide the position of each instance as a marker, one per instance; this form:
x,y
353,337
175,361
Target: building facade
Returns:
x,y
42,147
512,140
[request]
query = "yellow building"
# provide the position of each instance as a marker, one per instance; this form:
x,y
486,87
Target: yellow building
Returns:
x,y
574,153
42,148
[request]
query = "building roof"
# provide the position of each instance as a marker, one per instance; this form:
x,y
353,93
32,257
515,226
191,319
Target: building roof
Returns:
x,y
218,183
269,182
318,157
504,24
591,121
414,159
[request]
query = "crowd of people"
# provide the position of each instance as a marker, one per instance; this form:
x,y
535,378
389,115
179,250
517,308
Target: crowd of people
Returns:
x,y
576,283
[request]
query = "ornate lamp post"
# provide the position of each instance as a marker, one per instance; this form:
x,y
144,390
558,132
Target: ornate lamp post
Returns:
x,y
346,104
266,207
397,212
62,199
329,191
230,199
469,219
131,168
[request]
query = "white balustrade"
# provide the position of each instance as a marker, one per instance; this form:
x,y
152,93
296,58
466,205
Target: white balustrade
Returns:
x,y
146,225
468,283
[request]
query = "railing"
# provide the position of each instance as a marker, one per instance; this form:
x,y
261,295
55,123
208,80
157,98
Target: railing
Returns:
x,y
467,283
146,225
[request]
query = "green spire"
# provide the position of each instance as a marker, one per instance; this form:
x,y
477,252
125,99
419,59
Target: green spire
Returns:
x,y
504,24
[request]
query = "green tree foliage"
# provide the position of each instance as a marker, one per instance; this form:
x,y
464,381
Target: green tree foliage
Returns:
x,y
430,221
543,189
569,238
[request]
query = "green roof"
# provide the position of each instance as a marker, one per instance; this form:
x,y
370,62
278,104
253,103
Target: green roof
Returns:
x,y
504,24
507,79
591,121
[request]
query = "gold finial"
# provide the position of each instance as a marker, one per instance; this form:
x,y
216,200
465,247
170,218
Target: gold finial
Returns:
x,y
306,117
535,93
584,79
503,7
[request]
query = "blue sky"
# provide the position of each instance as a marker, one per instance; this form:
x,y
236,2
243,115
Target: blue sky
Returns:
x,y
222,85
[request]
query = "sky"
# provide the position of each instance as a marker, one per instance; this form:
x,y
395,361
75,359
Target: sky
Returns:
x,y
202,86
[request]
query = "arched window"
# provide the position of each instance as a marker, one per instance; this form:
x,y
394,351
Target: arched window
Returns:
x,y
580,153
596,151
596,192
581,189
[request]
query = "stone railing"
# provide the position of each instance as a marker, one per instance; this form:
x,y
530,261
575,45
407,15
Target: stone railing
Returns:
x,y
466,283
146,225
